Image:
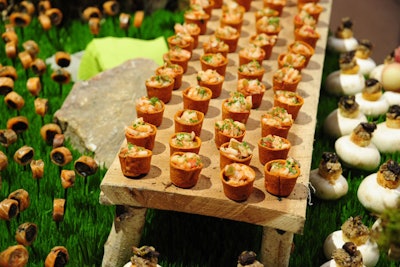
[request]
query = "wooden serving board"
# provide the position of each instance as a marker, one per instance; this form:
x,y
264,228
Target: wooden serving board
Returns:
x,y
207,197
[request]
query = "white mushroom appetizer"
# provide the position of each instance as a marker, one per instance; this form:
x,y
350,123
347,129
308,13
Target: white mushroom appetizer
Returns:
x,y
345,118
348,80
353,230
356,150
381,190
387,135
363,56
346,256
371,100
343,39
327,179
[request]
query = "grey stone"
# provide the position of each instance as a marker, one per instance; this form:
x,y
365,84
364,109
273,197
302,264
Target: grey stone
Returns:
x,y
96,111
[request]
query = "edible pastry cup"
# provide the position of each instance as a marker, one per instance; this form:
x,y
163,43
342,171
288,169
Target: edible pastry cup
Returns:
x,y
280,183
199,18
220,67
266,47
146,141
231,41
215,86
236,23
310,39
197,103
162,91
280,83
134,164
153,117
245,58
313,9
303,48
286,60
184,126
280,130
173,70
226,158
256,97
221,138
195,148
186,45
275,5
16,255
237,189
184,177
182,60
290,101
251,75
241,116
266,151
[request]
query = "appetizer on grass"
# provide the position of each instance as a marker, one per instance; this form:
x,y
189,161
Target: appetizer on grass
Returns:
x,y
146,256
61,156
227,129
291,101
197,98
67,178
188,120
235,152
184,142
348,80
18,124
14,100
141,133
343,39
134,160
237,107
276,121
280,176
58,209
253,88
248,259
353,230
229,35
24,155
371,100
22,196
160,86
58,256
8,209
272,147
390,74
212,80
265,41
327,179
381,190
345,118
363,56
185,168
3,161
390,58
356,150
348,255
8,137
252,70
15,256
150,109
387,135
48,131
286,78
26,233
237,181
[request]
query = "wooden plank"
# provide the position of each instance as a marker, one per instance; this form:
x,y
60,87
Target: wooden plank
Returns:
x,y
207,197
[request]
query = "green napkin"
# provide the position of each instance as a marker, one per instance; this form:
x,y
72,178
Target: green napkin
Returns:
x,y
105,53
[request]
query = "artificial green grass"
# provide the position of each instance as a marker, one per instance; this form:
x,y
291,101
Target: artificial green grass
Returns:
x,y
182,239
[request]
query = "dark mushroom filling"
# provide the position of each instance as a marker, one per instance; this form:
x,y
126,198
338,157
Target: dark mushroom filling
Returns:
x,y
61,259
247,257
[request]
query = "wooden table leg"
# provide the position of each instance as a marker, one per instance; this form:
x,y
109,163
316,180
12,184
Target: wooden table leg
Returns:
x,y
125,233
276,247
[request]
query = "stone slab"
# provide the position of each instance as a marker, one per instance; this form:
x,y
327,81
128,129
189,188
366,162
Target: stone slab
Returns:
x,y
96,111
